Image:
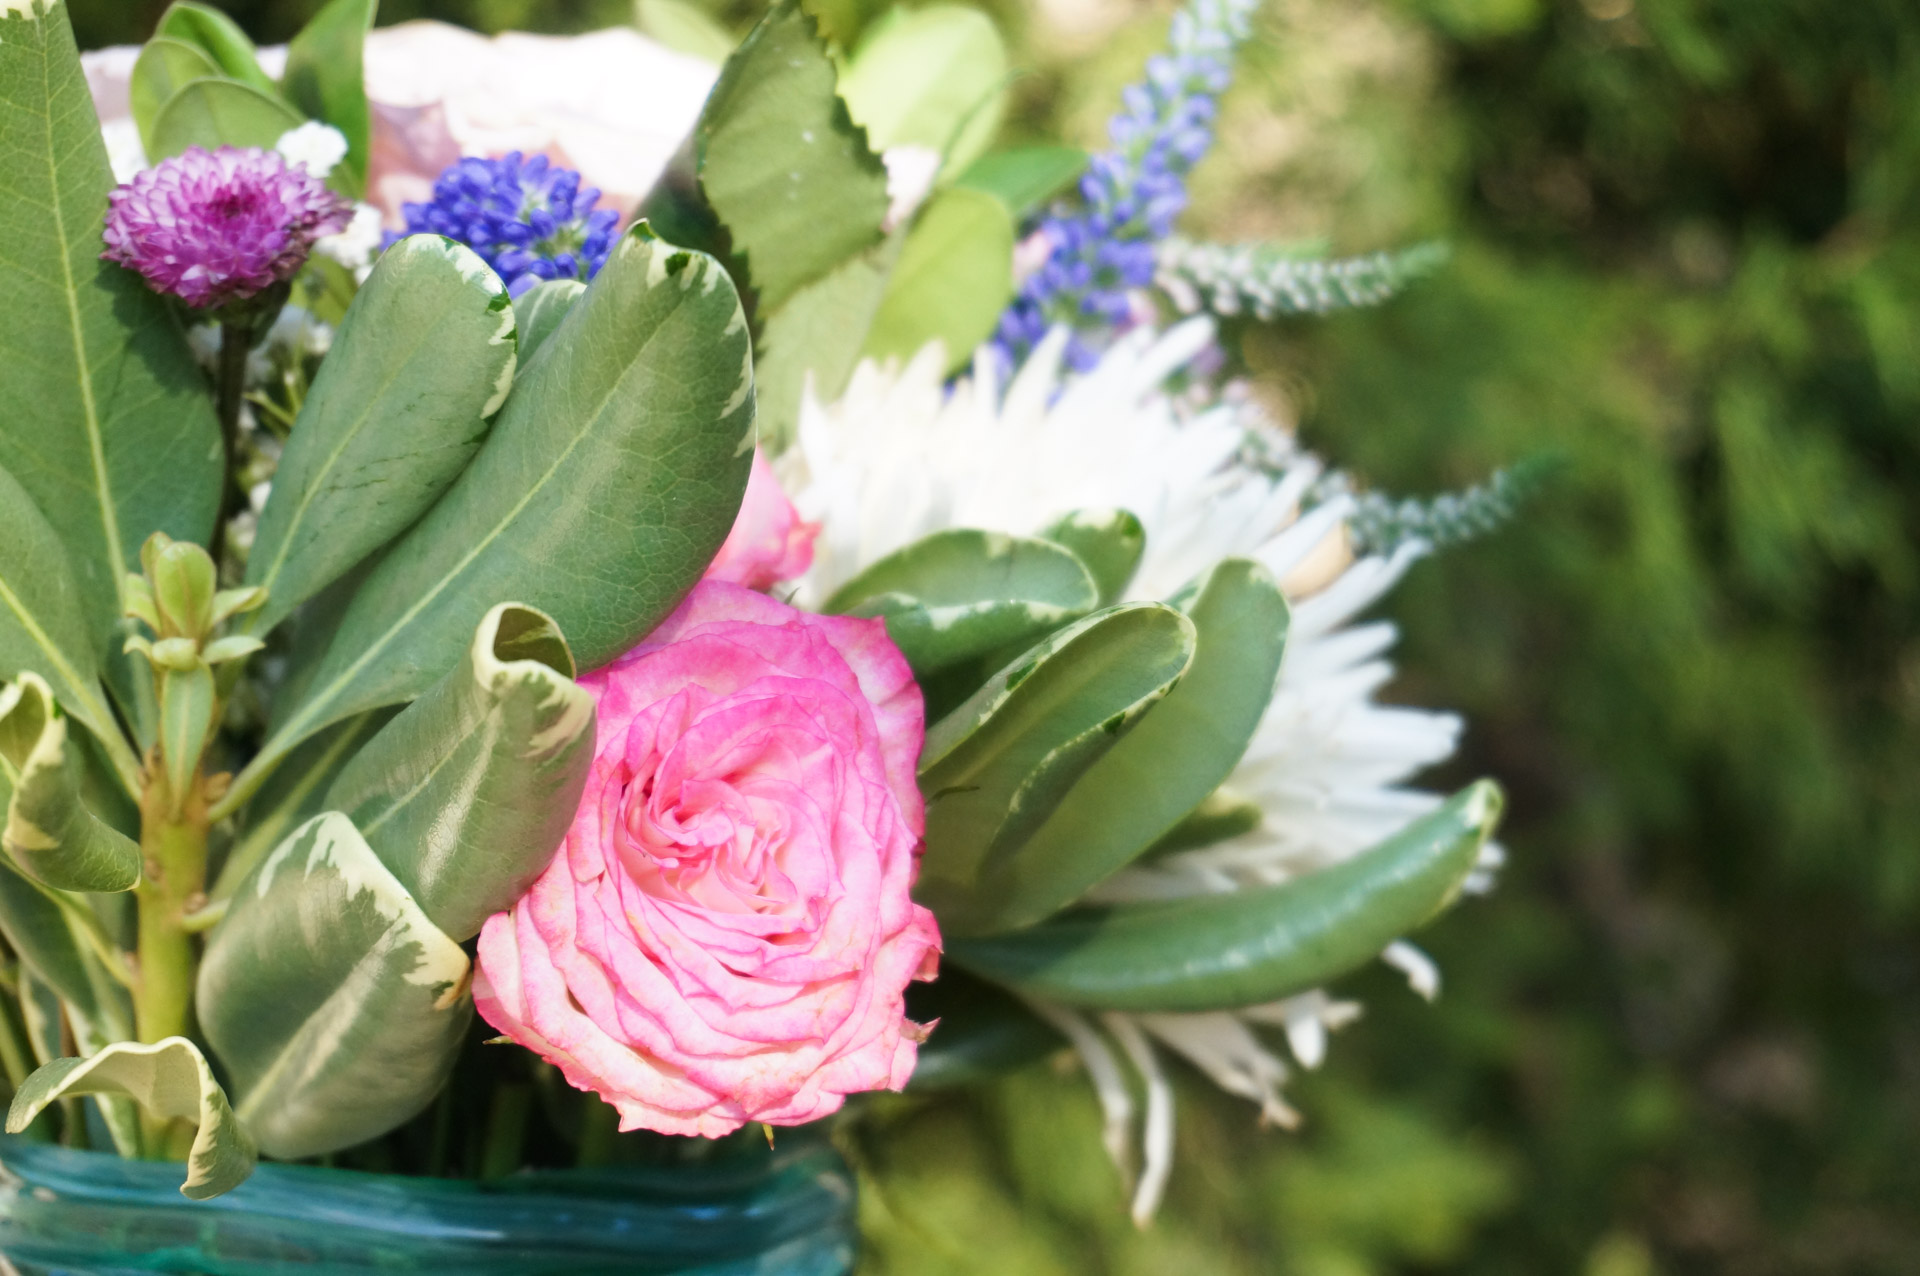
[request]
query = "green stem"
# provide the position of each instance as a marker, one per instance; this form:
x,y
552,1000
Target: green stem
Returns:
x,y
506,1130
175,882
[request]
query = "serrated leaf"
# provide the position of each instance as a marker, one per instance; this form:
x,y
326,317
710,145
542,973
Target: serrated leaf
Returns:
x,y
816,336
468,793
49,831
424,356
608,482
540,310
164,67
212,113
1245,947
1109,542
42,628
1025,177
325,78
954,277
219,37
1179,753
171,1080
334,1004
961,594
995,767
782,162
934,77
108,425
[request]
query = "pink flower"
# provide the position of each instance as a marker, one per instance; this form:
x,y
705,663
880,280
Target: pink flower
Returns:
x,y
726,935
769,542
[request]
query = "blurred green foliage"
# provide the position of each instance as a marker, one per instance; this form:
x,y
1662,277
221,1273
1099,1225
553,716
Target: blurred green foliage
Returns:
x,y
1684,1036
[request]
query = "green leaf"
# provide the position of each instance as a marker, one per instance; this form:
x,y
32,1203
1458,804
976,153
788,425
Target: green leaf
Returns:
x,y
685,28
782,162
1109,542
49,831
220,38
961,594
1026,177
214,113
324,78
610,479
172,1081
334,1004
42,629
1167,765
1245,947
59,939
933,77
1223,815
818,334
467,794
186,720
954,278
995,767
107,424
539,311
424,356
163,69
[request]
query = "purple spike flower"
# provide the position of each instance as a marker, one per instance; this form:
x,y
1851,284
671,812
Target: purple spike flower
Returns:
x,y
526,218
215,227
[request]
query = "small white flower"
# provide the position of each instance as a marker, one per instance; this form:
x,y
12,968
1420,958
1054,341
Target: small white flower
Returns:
x,y
318,147
357,245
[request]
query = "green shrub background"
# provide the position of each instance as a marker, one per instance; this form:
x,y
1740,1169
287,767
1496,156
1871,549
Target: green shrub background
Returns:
x,y
1684,1036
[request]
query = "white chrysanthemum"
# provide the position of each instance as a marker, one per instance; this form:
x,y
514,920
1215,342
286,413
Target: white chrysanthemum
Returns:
x,y
317,147
901,455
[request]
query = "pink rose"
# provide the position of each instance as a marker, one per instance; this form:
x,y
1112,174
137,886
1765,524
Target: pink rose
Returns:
x,y
769,542
726,935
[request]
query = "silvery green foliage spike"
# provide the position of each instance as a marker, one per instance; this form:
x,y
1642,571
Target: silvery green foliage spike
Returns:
x,y
332,1002
995,767
468,793
1167,765
539,311
424,356
171,1080
326,78
609,480
1245,947
1271,280
1110,543
43,627
107,423
783,163
49,832
961,594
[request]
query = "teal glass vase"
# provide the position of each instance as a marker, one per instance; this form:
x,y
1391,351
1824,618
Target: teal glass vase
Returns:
x,y
72,1213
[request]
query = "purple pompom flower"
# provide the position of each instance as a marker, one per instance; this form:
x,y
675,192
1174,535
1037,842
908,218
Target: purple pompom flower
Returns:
x,y
526,218
215,227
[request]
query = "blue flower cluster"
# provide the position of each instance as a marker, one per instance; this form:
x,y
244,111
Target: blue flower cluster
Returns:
x,y
1102,252
526,218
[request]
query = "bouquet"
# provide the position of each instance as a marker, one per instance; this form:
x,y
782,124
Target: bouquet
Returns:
x,y
827,618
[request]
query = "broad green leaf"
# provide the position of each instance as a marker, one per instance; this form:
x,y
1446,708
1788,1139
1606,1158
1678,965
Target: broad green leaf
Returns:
x,y
539,311
816,337
1167,765
172,1081
335,1006
995,767
782,162
425,355
1245,947
685,28
49,831
324,78
219,37
42,628
961,594
954,277
1026,177
57,938
214,113
608,482
1109,542
107,423
163,69
933,77
468,793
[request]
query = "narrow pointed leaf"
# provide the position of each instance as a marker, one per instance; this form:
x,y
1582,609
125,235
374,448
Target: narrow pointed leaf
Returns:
x,y
186,718
164,68
1245,947
49,831
1025,177
960,594
334,1004
219,37
783,163
171,1080
50,933
1109,542
607,483
424,356
107,425
213,113
995,767
325,78
1168,764
954,277
468,793
539,311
